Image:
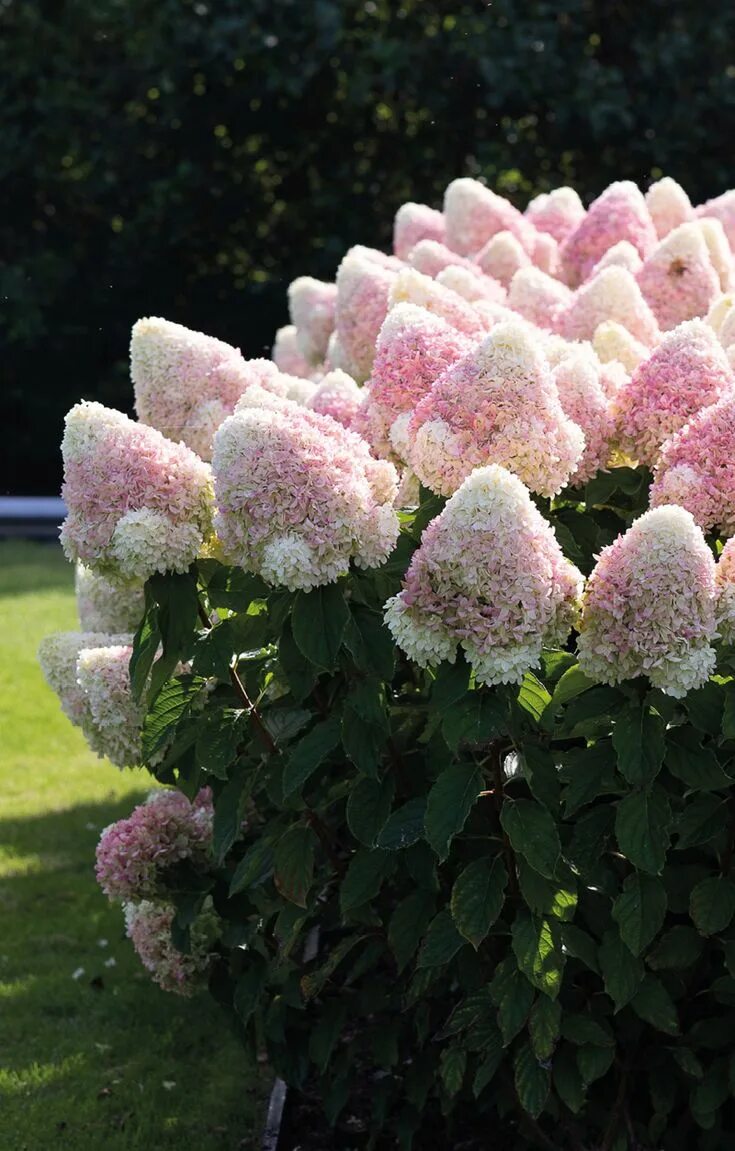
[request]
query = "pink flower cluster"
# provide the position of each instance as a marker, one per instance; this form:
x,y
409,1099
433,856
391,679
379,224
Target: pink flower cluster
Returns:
x,y
107,607
725,583
649,606
311,305
137,502
134,854
620,213
364,280
148,926
299,496
490,577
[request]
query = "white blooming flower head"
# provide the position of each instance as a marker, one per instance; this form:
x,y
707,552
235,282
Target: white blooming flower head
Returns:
x,y
547,254
414,223
612,294
621,255
311,305
718,247
141,537
411,287
722,208
115,720
363,289
668,205
473,214
57,656
287,355
471,285
725,583
557,213
719,311
107,607
502,256
538,297
679,280
337,395
612,341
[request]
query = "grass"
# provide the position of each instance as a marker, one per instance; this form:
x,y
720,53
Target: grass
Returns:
x,y
93,1056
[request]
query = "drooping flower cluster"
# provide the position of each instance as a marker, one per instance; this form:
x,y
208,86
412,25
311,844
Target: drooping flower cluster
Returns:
x,y
490,577
725,583
649,606
103,606
299,496
696,468
148,926
137,502
133,855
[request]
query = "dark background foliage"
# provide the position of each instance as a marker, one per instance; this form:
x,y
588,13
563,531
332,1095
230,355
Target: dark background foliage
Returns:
x,y
187,158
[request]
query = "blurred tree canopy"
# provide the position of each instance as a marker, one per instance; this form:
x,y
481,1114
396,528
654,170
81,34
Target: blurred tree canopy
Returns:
x,y
187,158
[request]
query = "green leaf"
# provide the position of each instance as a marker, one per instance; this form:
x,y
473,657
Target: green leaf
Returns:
x,y
214,651
572,683
532,833
580,945
408,924
229,810
368,808
568,1081
451,684
533,697
705,707
294,864
704,818
643,828
587,772
299,671
313,983
324,1036
728,712
363,743
375,652
249,987
638,739
254,867
284,723
590,837
538,950
450,802
622,972
688,1061
170,707
556,897
364,878
476,1009
639,911
475,719
178,611
318,622
219,737
405,826
696,766
678,948
452,1067
543,1026
712,905
441,942
485,1073
514,1007
532,1081
654,1005
145,645
478,896
310,752
585,1029
234,589
594,1062
541,775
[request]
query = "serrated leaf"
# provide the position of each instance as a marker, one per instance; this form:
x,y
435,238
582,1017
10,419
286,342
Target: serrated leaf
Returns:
x,y
254,867
170,707
478,896
441,942
639,911
704,818
452,1067
229,810
728,711
514,1006
583,1029
638,739
678,948
477,1007
543,1026
541,775
532,833
705,707
643,826
364,877
408,923
299,671
568,1081
405,826
688,1061
532,1081
363,743
622,972
486,1071
311,750
450,685
533,697
654,1005
370,643
556,897
594,1062
696,766
146,642
478,717
216,746
538,951
294,864
284,723
580,945
712,905
313,983
318,622
587,773
449,803
572,683
589,842
249,987
325,1034
234,589
214,652
368,808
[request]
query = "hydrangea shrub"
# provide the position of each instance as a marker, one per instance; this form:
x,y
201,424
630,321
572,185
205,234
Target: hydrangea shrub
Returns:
x,y
435,663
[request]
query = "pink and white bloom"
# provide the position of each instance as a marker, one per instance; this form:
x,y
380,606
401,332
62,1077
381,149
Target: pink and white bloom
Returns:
x,y
311,306
471,284
430,257
725,583
502,256
473,214
612,294
678,279
668,205
621,255
649,606
148,927
721,208
411,287
539,298
612,341
413,223
489,577
619,213
105,607
337,395
363,293
287,355
583,399
558,213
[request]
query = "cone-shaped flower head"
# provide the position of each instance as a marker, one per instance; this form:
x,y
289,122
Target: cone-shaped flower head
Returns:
x,y
722,208
58,655
720,311
299,496
685,373
725,582
502,256
668,205
695,468
538,297
678,279
727,329
612,294
134,854
287,355
583,400
430,257
363,290
546,254
148,926
621,255
107,607
337,395
472,214
614,342
720,253
414,348
620,213
138,503
649,606
311,306
413,223
411,287
471,284
490,577
497,405
559,213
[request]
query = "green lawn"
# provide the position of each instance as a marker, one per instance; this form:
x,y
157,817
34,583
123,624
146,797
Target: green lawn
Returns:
x,y
93,1057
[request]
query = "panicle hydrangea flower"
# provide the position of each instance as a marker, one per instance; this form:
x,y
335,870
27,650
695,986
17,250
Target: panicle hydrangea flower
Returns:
x,y
719,312
490,577
612,294
621,255
685,373
546,254
471,284
727,329
612,341
502,256
583,400
102,606
721,208
299,496
411,287
472,214
414,347
668,205
287,355
678,280
134,853
113,728
311,306
725,583
619,213
557,213
649,606
148,926
58,655
430,257
413,223
137,502
538,297
497,405
363,292
337,395
720,253
695,468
